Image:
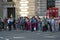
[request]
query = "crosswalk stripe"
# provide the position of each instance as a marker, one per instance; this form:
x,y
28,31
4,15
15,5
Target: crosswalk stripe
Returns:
x,y
7,39
17,37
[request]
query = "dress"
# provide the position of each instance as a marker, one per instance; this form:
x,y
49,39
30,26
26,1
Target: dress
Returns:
x,y
28,25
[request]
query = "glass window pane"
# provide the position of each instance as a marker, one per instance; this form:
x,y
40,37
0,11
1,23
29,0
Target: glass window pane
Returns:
x,y
50,3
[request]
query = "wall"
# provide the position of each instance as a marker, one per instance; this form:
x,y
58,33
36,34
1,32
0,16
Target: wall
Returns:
x,y
57,4
1,8
31,9
41,7
6,5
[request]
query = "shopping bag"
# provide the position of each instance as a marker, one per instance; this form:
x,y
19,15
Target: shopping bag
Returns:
x,y
34,28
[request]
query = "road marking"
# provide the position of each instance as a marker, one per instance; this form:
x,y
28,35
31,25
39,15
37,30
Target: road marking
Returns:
x,y
17,37
1,37
7,39
49,36
38,33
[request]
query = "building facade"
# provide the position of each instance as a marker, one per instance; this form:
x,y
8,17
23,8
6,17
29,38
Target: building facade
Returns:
x,y
17,8
8,8
57,5
41,7
1,8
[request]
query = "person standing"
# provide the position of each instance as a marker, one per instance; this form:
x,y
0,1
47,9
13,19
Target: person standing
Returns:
x,y
32,27
44,24
5,23
49,24
39,24
9,23
26,21
22,23
53,24
28,25
34,23
14,24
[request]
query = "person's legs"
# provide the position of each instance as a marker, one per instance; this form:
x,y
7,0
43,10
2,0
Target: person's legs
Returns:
x,y
14,26
32,27
9,27
59,26
52,28
0,28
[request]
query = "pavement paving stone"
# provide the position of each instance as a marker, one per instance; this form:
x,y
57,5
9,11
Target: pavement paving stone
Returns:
x,y
28,35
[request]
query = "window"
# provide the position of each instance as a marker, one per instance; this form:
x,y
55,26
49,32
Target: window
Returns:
x,y
50,3
9,0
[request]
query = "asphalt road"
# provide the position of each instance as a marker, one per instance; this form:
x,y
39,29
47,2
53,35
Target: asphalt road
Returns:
x,y
28,35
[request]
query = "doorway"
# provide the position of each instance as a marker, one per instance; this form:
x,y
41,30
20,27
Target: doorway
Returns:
x,y
11,12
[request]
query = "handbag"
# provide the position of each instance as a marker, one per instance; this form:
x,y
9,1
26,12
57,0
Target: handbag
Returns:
x,y
34,28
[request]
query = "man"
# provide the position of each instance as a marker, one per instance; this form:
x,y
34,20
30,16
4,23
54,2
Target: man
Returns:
x,y
14,24
33,24
53,24
9,23
44,24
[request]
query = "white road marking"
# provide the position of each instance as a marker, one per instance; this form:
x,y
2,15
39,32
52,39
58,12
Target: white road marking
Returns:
x,y
49,36
38,33
17,37
1,37
7,39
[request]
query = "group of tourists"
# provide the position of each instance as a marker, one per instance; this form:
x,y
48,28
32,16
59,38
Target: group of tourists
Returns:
x,y
28,24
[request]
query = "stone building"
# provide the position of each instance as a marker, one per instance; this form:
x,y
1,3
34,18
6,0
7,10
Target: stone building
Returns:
x,y
17,8
1,8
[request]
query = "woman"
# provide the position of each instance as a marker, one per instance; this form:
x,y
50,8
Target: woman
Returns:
x,y
28,24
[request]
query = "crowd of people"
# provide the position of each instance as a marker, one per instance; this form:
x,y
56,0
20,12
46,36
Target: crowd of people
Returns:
x,y
28,24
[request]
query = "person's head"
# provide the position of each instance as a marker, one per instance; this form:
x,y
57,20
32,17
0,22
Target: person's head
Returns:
x,y
51,17
43,17
33,17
